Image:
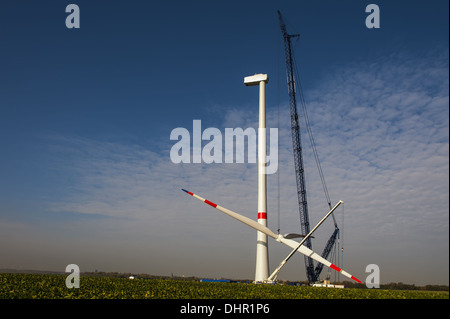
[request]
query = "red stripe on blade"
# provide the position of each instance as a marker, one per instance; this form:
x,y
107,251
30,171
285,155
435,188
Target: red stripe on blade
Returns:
x,y
192,194
210,203
356,279
335,268
262,215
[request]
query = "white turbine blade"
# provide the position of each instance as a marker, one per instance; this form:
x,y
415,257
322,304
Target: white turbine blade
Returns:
x,y
291,243
308,252
239,217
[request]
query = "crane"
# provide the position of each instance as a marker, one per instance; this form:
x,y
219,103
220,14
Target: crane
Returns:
x,y
311,272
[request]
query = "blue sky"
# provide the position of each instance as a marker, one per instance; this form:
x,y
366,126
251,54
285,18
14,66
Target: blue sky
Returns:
x,y
86,116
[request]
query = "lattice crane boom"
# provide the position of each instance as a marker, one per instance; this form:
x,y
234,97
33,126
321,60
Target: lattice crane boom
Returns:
x,y
297,146
311,272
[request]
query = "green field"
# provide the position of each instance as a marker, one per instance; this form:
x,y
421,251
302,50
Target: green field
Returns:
x,y
33,286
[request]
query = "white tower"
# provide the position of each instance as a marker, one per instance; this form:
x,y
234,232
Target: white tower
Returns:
x,y
262,252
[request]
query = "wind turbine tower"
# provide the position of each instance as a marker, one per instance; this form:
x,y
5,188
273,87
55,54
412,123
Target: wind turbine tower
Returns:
x,y
262,249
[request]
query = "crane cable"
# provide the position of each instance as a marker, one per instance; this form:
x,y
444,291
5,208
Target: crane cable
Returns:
x,y
306,117
308,128
311,137
316,157
278,126
341,237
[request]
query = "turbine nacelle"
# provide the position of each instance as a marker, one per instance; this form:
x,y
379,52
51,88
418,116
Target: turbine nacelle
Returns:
x,y
293,235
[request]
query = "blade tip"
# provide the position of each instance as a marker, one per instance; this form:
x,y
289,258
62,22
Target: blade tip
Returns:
x,y
357,280
188,192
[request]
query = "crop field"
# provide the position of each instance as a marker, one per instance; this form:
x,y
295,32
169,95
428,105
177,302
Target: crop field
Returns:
x,y
33,286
